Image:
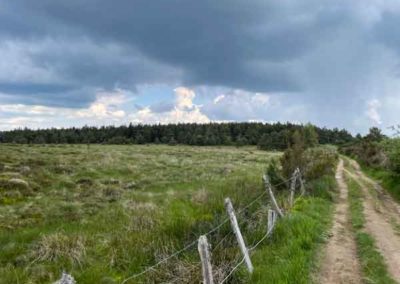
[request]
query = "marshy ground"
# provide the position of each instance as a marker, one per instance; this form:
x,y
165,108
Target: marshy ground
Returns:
x,y
104,212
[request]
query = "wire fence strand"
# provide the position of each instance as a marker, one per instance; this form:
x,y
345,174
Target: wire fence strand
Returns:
x,y
216,228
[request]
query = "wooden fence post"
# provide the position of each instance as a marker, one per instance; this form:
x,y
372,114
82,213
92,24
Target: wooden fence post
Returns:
x,y
300,177
205,257
66,279
293,187
271,194
271,221
238,234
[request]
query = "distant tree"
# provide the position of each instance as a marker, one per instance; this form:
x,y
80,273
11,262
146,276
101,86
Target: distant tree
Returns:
x,y
139,139
272,141
279,135
39,140
241,141
310,135
375,135
172,142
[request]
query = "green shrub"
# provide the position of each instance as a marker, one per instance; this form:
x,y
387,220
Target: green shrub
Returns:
x,y
392,150
313,162
319,161
275,175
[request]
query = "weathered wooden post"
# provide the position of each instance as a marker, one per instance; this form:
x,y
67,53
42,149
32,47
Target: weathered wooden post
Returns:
x,y
66,279
271,221
293,188
300,177
238,234
205,257
268,188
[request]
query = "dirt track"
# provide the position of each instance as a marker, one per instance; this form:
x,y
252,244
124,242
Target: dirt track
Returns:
x,y
340,264
380,211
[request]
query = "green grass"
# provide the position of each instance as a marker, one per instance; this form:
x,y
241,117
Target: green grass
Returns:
x,y
372,263
103,213
388,181
290,256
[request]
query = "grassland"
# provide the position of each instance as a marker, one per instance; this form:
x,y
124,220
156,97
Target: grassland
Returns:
x,y
103,213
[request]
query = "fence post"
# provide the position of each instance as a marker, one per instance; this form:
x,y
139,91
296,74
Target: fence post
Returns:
x,y
205,257
293,187
302,187
271,221
66,279
271,194
238,234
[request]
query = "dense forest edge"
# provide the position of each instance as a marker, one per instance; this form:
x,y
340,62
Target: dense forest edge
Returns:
x,y
276,136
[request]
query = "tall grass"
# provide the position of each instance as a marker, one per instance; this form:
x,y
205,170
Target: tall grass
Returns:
x,y
103,213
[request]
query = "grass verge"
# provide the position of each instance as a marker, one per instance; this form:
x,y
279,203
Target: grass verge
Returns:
x,y
389,181
290,255
372,263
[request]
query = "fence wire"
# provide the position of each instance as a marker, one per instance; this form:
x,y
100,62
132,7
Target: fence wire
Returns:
x,y
216,228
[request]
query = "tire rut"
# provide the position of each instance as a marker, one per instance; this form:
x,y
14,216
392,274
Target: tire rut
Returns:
x,y
379,207
340,263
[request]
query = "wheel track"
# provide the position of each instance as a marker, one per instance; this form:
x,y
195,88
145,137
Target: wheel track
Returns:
x,y
340,263
379,207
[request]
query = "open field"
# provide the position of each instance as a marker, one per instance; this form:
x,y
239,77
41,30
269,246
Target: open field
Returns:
x,y
104,213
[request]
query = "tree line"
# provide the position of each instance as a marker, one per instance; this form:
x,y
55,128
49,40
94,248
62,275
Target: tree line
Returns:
x,y
267,136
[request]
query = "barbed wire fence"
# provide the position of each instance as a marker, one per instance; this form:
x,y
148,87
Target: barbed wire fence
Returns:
x,y
209,274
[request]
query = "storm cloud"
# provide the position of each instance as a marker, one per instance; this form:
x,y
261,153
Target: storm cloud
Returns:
x,y
311,58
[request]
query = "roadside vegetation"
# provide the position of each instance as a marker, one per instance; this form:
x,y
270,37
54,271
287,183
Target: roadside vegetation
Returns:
x,y
291,255
371,261
379,156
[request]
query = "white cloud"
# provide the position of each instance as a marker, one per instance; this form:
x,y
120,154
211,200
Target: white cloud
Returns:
x,y
105,110
184,111
218,99
372,111
108,108
184,98
260,99
239,104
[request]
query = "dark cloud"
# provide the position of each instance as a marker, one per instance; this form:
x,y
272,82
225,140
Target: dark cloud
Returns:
x,y
318,54
27,88
238,44
53,96
386,31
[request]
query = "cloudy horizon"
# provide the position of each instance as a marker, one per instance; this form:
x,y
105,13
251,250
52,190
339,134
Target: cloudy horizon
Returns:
x,y
76,63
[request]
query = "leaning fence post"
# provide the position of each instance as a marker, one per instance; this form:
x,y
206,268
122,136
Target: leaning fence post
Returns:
x,y
238,234
271,194
205,257
271,221
293,187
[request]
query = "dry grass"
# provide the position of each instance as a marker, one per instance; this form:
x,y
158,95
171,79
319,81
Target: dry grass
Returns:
x,y
60,246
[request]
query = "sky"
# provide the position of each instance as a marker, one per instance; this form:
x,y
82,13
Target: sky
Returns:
x,y
73,63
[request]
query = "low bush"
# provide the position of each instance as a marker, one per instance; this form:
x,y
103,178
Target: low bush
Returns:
x,y
392,150
319,161
313,162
